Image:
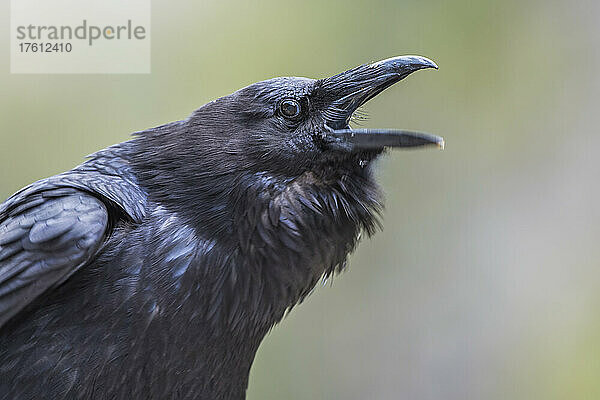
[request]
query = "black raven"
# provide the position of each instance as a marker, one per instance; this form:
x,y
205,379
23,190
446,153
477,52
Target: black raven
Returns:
x,y
154,269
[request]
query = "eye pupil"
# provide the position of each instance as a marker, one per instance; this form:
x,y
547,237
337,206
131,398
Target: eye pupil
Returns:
x,y
290,108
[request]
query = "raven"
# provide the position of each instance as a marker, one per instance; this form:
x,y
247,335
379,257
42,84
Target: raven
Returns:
x,y
154,269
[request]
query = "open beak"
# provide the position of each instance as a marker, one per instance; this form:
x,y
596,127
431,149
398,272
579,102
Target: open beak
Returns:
x,y
349,90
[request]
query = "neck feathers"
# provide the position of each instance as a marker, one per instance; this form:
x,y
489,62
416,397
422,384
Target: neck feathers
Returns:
x,y
280,234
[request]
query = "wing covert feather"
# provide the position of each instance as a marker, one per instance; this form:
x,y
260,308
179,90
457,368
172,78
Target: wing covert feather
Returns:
x,y
44,239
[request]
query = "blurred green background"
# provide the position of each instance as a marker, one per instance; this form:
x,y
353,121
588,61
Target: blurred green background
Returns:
x,y
484,283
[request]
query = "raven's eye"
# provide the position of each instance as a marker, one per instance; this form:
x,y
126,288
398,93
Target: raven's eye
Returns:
x,y
290,108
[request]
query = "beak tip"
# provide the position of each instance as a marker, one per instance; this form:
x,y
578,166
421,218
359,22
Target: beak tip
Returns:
x,y
411,62
424,62
441,144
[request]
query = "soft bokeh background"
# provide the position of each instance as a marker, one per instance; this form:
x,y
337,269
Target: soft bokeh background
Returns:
x,y
484,283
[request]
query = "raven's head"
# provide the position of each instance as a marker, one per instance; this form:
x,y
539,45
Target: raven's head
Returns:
x,y
272,135
291,125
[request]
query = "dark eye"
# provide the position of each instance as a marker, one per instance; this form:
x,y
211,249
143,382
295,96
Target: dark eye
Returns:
x,y
290,108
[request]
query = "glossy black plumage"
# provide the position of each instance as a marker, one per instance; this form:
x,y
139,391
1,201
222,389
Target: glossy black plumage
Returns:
x,y
154,269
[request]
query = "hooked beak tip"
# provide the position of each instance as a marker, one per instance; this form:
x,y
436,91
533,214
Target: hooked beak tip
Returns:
x,y
402,63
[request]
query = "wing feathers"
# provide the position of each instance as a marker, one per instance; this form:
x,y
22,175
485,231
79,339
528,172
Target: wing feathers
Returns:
x,y
44,239
51,229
